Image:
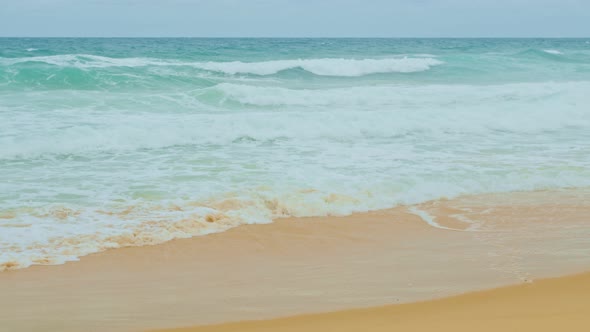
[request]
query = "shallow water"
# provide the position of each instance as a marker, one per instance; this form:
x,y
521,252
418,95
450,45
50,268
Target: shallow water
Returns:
x,y
113,142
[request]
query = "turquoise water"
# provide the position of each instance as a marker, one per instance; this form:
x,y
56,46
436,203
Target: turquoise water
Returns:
x,y
115,142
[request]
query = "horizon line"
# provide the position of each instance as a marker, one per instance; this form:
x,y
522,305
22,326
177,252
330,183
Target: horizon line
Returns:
x,y
298,37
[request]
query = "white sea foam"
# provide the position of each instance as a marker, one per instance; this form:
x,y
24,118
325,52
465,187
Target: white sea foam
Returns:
x,y
57,234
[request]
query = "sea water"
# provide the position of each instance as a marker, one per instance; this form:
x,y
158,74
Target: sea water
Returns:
x,y
107,143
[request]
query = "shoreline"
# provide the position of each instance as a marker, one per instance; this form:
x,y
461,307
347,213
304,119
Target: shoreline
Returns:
x,y
544,305
308,265
449,223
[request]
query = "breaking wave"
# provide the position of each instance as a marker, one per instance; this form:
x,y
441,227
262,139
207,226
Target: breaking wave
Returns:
x,y
323,67
303,115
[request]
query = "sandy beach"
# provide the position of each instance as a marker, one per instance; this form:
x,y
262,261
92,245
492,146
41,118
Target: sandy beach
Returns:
x,y
311,265
545,305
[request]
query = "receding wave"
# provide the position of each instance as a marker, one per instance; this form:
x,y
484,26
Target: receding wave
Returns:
x,y
323,67
123,225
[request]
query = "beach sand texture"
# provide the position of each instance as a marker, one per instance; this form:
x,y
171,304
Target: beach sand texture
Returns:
x,y
301,266
561,304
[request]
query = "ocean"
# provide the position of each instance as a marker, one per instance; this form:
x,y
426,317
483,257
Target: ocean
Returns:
x,y
106,143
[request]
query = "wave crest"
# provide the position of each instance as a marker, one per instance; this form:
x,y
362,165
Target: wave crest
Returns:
x,y
322,67
554,52
326,67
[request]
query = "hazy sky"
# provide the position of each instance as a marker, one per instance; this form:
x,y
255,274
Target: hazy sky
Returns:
x,y
296,18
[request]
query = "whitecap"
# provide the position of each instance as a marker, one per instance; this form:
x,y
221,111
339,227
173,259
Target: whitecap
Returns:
x,y
554,52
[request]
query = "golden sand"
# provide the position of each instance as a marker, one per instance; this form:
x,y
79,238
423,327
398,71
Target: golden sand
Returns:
x,y
550,305
301,266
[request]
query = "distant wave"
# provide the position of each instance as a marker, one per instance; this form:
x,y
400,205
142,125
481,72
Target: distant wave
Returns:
x,y
554,52
86,61
326,67
323,67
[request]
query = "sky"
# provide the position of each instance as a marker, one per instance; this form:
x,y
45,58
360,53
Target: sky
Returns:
x,y
295,18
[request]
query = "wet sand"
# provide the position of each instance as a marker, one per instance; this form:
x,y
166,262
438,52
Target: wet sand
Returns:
x,y
308,265
561,304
